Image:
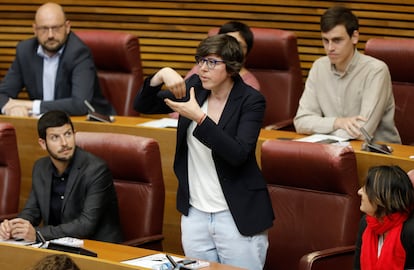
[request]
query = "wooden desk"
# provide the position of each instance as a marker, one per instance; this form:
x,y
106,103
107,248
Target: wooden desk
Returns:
x,y
21,257
109,257
29,151
118,253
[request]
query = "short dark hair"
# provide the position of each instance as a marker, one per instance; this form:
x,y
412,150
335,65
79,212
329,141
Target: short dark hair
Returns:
x,y
339,15
56,262
243,29
226,47
52,119
390,189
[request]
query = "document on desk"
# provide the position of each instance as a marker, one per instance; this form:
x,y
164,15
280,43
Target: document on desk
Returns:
x,y
68,241
323,138
161,123
152,261
19,242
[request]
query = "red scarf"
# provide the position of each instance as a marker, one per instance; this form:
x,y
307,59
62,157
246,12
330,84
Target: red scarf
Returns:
x,y
392,256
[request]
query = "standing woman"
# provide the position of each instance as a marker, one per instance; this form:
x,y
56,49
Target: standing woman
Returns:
x,y
222,195
386,237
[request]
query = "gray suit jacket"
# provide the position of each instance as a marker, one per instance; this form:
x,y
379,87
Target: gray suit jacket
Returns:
x,y
76,78
90,206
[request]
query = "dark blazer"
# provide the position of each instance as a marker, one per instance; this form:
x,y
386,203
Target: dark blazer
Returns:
x,y
76,78
233,144
90,206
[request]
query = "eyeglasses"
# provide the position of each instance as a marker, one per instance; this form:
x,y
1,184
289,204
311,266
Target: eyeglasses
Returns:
x,y
46,29
211,63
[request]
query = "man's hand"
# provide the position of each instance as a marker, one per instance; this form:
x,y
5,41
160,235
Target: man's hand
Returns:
x,y
17,228
5,230
350,124
16,107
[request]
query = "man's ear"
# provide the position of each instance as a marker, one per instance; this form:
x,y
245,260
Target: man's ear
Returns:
x,y
42,143
355,37
67,24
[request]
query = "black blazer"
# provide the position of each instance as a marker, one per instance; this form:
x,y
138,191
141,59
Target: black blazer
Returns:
x,y
90,206
76,78
233,143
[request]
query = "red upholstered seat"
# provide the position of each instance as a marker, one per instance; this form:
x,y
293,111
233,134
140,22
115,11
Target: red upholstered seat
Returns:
x,y
398,54
313,188
118,61
135,163
10,174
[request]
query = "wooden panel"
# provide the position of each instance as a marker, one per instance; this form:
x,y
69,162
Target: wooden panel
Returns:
x,y
22,257
109,257
170,31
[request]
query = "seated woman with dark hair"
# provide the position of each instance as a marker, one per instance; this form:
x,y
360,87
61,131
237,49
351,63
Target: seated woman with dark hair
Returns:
x,y
386,236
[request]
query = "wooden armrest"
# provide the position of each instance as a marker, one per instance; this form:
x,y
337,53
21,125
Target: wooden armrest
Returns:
x,y
337,258
282,125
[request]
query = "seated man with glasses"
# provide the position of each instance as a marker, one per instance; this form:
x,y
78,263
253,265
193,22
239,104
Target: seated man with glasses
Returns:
x,y
55,68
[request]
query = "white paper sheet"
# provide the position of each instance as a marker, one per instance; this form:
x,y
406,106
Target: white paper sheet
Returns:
x,y
161,123
152,261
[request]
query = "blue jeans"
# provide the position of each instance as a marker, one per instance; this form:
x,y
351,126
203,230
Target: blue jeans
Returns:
x,y
215,237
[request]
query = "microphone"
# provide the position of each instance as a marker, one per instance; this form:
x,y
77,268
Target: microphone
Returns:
x,y
92,109
371,146
94,116
41,238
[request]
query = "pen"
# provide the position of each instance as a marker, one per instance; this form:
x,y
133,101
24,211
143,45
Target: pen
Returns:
x,y
187,261
174,264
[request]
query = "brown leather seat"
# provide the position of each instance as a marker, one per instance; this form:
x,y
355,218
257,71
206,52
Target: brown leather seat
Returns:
x,y
398,54
118,61
274,60
9,172
135,163
313,188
